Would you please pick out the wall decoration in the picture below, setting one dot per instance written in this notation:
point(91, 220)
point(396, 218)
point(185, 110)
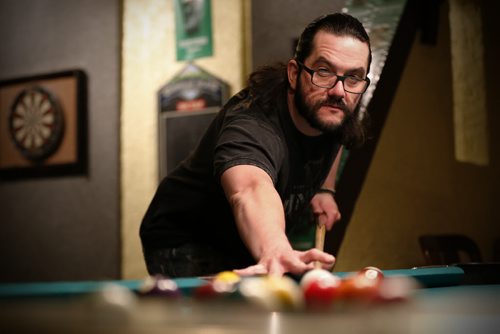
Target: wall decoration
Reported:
point(193, 89)
point(187, 105)
point(193, 29)
point(43, 125)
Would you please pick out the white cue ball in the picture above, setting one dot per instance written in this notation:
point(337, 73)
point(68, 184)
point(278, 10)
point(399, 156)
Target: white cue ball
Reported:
point(315, 275)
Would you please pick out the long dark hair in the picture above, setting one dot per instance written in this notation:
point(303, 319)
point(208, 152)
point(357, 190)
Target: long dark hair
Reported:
point(268, 83)
point(339, 24)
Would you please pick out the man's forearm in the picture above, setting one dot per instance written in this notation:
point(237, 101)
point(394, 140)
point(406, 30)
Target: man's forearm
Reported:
point(259, 216)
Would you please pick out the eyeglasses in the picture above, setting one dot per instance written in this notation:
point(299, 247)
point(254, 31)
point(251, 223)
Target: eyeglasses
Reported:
point(326, 79)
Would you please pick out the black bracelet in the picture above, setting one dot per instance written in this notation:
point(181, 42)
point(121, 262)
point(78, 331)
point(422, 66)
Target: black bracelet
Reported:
point(328, 191)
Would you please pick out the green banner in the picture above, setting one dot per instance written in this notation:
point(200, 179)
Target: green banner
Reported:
point(193, 29)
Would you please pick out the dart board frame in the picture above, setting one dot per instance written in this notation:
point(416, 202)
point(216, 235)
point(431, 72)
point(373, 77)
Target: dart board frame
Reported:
point(43, 125)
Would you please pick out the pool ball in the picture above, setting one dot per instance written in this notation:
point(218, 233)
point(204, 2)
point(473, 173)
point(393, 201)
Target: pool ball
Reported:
point(226, 282)
point(273, 293)
point(396, 289)
point(359, 288)
point(159, 285)
point(111, 304)
point(227, 277)
point(286, 291)
point(322, 292)
point(206, 291)
point(314, 275)
point(221, 285)
point(372, 274)
point(254, 290)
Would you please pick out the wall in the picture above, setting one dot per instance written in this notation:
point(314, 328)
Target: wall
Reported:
point(148, 63)
point(415, 185)
point(65, 228)
point(278, 23)
point(68, 228)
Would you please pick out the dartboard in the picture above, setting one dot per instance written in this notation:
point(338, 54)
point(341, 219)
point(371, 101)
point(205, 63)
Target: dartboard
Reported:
point(36, 123)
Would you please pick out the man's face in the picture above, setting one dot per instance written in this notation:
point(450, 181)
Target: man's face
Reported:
point(327, 109)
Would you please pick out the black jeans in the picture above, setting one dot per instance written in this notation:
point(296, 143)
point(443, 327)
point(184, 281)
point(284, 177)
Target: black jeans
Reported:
point(187, 260)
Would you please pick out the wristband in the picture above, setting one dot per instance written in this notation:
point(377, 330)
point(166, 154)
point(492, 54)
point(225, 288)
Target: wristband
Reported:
point(327, 191)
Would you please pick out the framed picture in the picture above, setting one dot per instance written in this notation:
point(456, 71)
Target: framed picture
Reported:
point(43, 125)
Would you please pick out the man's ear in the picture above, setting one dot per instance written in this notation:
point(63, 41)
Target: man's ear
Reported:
point(293, 72)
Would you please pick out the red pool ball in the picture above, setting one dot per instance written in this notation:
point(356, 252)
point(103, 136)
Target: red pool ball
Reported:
point(314, 275)
point(222, 285)
point(364, 285)
point(206, 291)
point(321, 293)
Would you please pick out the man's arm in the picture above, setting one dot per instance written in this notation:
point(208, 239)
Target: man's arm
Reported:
point(323, 204)
point(260, 219)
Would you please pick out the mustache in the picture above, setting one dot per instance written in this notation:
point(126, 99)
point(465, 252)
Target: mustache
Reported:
point(333, 102)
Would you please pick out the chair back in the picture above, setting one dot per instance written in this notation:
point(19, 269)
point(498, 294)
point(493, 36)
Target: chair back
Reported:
point(443, 249)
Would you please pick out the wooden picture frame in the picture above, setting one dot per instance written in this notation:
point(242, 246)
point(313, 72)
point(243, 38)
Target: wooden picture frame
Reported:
point(43, 125)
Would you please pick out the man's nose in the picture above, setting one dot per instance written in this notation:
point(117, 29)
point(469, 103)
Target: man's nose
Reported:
point(337, 89)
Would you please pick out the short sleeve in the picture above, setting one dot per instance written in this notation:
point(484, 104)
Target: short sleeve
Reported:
point(249, 141)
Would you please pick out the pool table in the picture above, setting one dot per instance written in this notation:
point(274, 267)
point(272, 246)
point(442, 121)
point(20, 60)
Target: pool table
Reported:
point(452, 299)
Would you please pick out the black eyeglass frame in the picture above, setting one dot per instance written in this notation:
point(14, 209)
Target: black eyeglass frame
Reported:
point(340, 78)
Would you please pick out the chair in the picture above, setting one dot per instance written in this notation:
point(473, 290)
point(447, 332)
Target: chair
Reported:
point(496, 250)
point(443, 249)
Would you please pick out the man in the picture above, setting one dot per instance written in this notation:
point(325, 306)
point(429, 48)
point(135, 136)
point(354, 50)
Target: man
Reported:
point(270, 155)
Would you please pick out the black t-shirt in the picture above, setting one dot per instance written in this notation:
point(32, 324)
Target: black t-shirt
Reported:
point(190, 205)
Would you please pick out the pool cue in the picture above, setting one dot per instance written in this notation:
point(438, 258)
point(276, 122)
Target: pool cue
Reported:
point(320, 240)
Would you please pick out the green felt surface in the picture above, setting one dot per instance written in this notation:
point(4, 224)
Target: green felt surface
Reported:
point(56, 289)
point(427, 276)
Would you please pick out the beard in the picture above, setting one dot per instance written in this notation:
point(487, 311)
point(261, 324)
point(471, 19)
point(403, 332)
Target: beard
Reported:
point(310, 113)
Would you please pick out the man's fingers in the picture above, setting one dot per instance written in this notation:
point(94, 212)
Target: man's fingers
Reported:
point(327, 266)
point(276, 269)
point(257, 269)
point(322, 219)
point(297, 263)
point(317, 255)
point(327, 220)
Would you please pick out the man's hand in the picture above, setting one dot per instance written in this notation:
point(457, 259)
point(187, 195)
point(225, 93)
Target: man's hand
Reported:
point(259, 216)
point(288, 261)
point(325, 208)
